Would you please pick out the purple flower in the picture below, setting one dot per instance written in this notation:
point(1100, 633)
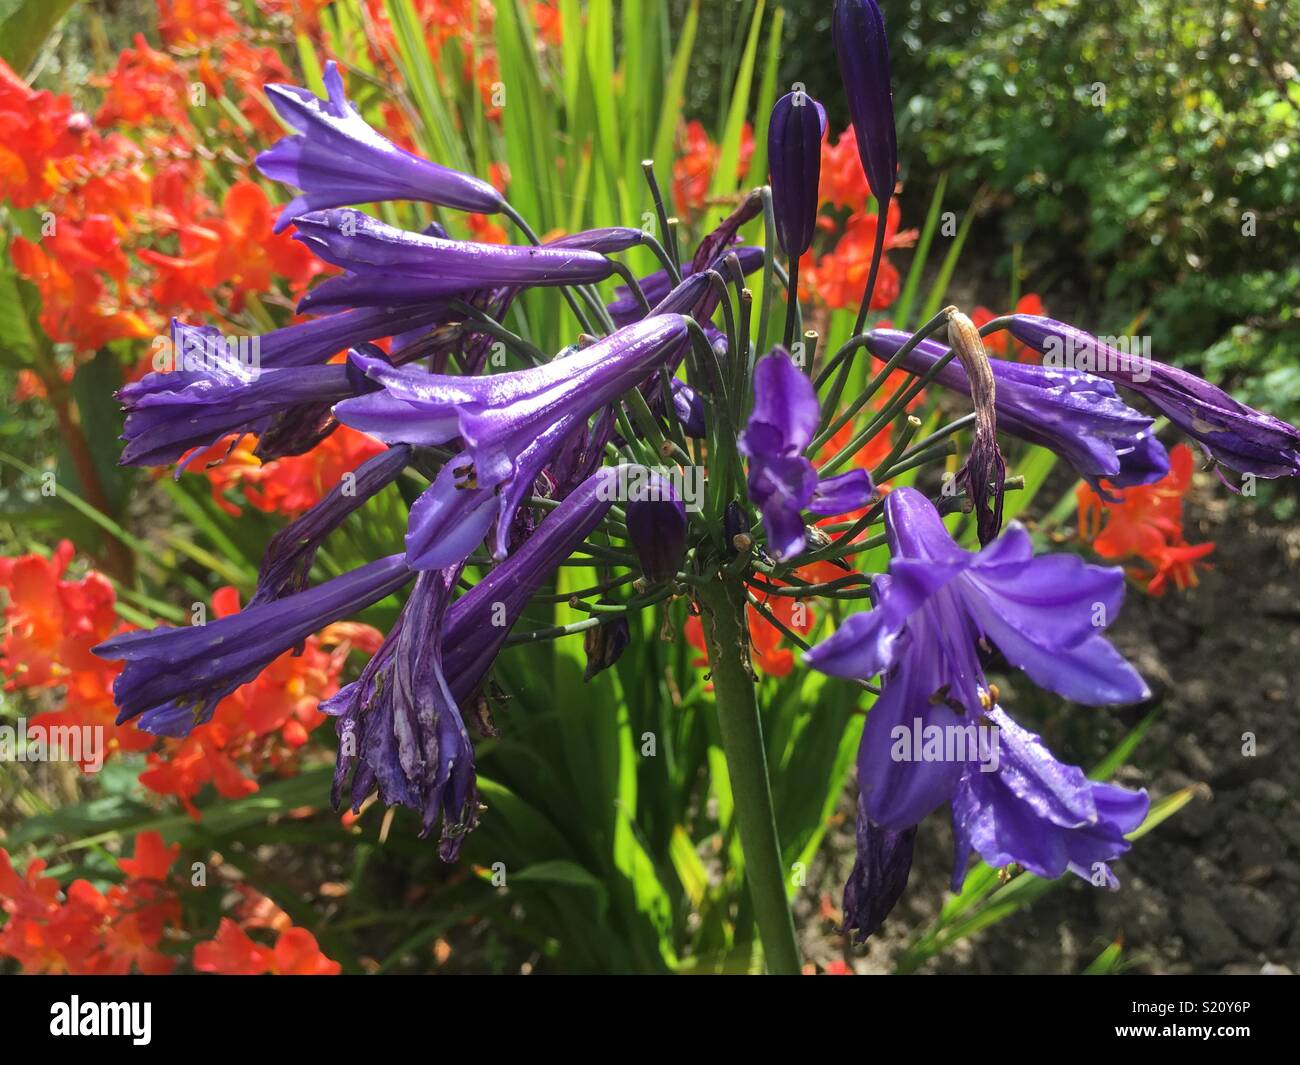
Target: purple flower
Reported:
point(168, 414)
point(1237, 436)
point(781, 480)
point(511, 425)
point(337, 159)
point(933, 611)
point(174, 677)
point(1039, 813)
point(879, 875)
point(1076, 415)
point(794, 137)
point(364, 245)
point(401, 723)
point(858, 31)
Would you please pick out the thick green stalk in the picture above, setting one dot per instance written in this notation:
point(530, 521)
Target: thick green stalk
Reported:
point(727, 638)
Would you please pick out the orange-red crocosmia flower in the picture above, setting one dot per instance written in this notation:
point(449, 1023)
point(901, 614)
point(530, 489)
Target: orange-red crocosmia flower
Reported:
point(233, 952)
point(1146, 524)
point(1003, 344)
point(289, 485)
point(89, 932)
point(146, 87)
point(50, 625)
point(839, 276)
point(770, 652)
point(696, 160)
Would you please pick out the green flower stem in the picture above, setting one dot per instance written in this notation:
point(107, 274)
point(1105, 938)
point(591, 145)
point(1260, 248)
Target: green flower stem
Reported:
point(727, 638)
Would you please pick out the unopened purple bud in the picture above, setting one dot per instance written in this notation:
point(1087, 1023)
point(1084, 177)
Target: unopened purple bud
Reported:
point(858, 30)
point(656, 525)
point(794, 138)
point(878, 878)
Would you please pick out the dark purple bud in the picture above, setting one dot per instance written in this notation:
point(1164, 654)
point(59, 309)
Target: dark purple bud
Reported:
point(794, 138)
point(689, 408)
point(858, 30)
point(604, 645)
point(878, 878)
point(656, 524)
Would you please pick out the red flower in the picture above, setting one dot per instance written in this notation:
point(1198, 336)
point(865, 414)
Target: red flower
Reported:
point(1147, 524)
point(839, 277)
point(89, 932)
point(296, 953)
point(1003, 344)
point(770, 654)
point(289, 485)
point(50, 625)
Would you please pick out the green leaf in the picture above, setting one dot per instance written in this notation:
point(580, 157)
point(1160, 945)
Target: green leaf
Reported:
point(24, 25)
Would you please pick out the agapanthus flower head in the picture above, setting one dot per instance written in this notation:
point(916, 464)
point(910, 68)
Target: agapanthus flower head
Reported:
point(175, 677)
point(1234, 434)
point(511, 425)
point(862, 47)
point(938, 603)
point(782, 481)
point(339, 160)
point(1076, 415)
point(794, 137)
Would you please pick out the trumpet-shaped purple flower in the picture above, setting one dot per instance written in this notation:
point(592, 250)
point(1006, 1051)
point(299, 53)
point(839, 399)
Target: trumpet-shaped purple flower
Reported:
point(401, 723)
point(781, 480)
point(364, 245)
point(862, 48)
point(1041, 814)
point(1237, 436)
point(511, 424)
point(168, 414)
point(1076, 415)
point(932, 612)
point(794, 137)
point(338, 159)
point(174, 677)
